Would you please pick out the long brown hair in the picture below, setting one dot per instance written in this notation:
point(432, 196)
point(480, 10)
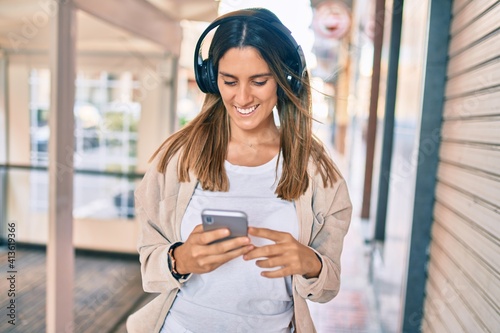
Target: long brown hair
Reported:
point(203, 142)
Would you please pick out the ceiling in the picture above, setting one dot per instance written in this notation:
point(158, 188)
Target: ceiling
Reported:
point(193, 10)
point(112, 25)
point(126, 27)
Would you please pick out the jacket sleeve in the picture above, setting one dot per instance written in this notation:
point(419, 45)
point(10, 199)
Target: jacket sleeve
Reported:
point(155, 202)
point(332, 209)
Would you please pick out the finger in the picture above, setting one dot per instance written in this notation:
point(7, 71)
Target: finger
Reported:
point(198, 229)
point(279, 273)
point(230, 244)
point(208, 237)
point(271, 263)
point(264, 251)
point(219, 259)
point(276, 236)
point(238, 252)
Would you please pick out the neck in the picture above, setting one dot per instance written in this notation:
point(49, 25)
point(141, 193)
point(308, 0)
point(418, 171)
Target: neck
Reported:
point(253, 140)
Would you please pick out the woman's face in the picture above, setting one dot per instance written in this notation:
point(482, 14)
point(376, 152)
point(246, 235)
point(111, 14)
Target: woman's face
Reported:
point(248, 89)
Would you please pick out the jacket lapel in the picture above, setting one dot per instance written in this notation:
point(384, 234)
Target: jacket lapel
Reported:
point(186, 190)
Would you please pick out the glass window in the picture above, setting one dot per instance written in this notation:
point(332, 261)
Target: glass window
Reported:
point(106, 120)
point(106, 133)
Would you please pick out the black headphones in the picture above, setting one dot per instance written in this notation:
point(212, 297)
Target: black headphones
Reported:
point(204, 70)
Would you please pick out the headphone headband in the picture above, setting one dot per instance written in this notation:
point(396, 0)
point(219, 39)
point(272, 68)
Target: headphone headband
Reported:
point(204, 69)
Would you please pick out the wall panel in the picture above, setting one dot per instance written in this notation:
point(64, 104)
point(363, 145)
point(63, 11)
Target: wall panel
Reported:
point(463, 287)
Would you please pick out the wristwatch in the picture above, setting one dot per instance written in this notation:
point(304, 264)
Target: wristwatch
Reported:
point(171, 262)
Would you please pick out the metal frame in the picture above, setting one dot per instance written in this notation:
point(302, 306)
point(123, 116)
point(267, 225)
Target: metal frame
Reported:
point(3, 142)
point(432, 111)
point(390, 108)
point(372, 116)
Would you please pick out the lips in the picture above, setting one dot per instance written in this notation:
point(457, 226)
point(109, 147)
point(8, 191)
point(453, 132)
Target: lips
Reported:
point(246, 111)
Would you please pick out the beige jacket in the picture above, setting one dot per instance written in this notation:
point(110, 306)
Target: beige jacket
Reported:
point(324, 216)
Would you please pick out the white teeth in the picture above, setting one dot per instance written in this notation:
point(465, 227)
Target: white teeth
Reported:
point(246, 111)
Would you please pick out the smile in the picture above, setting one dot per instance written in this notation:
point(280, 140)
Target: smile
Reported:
point(246, 111)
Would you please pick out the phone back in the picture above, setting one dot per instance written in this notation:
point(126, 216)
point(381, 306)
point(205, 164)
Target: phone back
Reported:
point(235, 221)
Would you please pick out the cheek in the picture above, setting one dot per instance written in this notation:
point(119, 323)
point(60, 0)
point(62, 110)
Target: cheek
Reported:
point(273, 97)
point(271, 94)
point(224, 93)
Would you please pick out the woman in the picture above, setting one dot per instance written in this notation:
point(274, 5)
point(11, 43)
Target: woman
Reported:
point(234, 156)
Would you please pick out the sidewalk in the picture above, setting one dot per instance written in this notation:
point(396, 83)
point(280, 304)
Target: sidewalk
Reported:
point(354, 309)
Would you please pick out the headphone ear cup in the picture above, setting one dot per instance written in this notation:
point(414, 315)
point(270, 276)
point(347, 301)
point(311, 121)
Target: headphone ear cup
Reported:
point(208, 77)
point(294, 84)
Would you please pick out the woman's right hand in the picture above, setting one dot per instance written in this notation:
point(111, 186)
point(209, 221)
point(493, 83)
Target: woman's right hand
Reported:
point(198, 256)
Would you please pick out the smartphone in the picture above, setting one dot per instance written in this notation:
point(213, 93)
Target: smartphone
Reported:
point(236, 221)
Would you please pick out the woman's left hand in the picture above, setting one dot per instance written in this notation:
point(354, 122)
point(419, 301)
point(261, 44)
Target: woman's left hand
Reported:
point(286, 253)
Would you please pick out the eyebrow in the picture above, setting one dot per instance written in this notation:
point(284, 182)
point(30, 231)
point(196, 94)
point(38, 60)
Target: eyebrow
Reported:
point(251, 77)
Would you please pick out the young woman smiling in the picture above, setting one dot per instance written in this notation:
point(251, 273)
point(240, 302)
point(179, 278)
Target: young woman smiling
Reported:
point(234, 156)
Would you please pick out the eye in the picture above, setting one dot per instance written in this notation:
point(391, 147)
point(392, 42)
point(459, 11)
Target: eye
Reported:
point(229, 83)
point(260, 83)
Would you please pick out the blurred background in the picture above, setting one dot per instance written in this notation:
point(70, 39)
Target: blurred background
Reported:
point(406, 98)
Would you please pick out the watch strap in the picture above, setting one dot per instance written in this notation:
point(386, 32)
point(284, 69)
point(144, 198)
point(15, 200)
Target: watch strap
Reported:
point(172, 262)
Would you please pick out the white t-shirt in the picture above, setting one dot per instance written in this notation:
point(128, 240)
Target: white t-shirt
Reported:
point(235, 297)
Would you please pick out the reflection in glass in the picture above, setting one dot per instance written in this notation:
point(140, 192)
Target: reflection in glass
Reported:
point(106, 120)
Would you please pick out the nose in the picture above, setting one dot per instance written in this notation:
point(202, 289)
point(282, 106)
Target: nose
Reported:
point(243, 95)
